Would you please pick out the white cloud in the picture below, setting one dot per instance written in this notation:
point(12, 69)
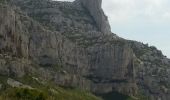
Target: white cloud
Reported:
point(121, 11)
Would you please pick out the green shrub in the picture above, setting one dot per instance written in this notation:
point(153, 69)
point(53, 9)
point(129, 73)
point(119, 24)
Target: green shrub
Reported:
point(24, 94)
point(57, 93)
point(29, 94)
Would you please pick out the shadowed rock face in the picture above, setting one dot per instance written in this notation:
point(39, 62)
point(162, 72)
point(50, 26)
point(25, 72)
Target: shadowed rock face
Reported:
point(96, 11)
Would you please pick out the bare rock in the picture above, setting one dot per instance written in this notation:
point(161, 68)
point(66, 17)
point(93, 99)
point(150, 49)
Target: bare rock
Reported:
point(95, 9)
point(63, 42)
point(17, 84)
point(90, 59)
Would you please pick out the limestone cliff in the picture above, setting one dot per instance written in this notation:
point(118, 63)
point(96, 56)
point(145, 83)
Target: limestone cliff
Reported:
point(153, 71)
point(96, 11)
point(70, 56)
point(70, 44)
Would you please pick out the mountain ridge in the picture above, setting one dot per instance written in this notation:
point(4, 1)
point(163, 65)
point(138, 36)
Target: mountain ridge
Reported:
point(63, 40)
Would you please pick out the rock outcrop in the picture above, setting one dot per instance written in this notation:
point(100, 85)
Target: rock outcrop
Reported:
point(73, 46)
point(15, 84)
point(153, 71)
point(94, 7)
point(80, 57)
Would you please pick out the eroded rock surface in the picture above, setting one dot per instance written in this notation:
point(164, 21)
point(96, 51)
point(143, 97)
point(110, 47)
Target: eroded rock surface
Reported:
point(65, 43)
point(153, 71)
point(15, 84)
point(75, 57)
point(96, 11)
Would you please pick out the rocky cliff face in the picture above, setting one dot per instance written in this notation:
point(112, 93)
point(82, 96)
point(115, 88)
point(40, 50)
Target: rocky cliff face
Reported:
point(95, 9)
point(153, 75)
point(72, 53)
point(70, 44)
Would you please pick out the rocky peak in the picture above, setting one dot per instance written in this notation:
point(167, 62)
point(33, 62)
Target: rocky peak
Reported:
point(95, 9)
point(63, 42)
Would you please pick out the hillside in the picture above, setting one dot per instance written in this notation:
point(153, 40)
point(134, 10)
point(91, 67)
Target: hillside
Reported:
point(65, 50)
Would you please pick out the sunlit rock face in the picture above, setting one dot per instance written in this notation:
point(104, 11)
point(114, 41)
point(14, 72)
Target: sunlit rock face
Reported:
point(58, 34)
point(96, 11)
point(69, 43)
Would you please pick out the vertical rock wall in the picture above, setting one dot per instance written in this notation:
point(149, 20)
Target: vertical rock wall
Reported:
point(96, 62)
point(95, 9)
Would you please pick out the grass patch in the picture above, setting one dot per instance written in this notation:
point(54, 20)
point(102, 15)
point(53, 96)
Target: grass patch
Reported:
point(56, 93)
point(46, 91)
point(23, 94)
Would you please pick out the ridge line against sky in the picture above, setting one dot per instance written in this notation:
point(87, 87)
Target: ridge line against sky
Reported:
point(147, 21)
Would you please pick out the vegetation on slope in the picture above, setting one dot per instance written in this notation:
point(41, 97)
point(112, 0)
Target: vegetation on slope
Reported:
point(40, 91)
point(49, 91)
point(51, 94)
point(58, 94)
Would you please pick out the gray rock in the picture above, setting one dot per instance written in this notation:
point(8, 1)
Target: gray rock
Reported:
point(17, 84)
point(153, 73)
point(95, 9)
point(60, 41)
point(14, 83)
point(94, 59)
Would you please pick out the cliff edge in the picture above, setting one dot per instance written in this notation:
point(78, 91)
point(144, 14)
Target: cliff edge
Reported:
point(69, 44)
point(95, 9)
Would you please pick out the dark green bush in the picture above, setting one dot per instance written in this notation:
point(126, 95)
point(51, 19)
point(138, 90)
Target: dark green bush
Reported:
point(27, 94)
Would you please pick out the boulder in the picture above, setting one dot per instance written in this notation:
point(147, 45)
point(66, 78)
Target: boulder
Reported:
point(14, 83)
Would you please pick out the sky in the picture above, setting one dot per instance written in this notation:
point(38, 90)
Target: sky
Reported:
point(147, 21)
